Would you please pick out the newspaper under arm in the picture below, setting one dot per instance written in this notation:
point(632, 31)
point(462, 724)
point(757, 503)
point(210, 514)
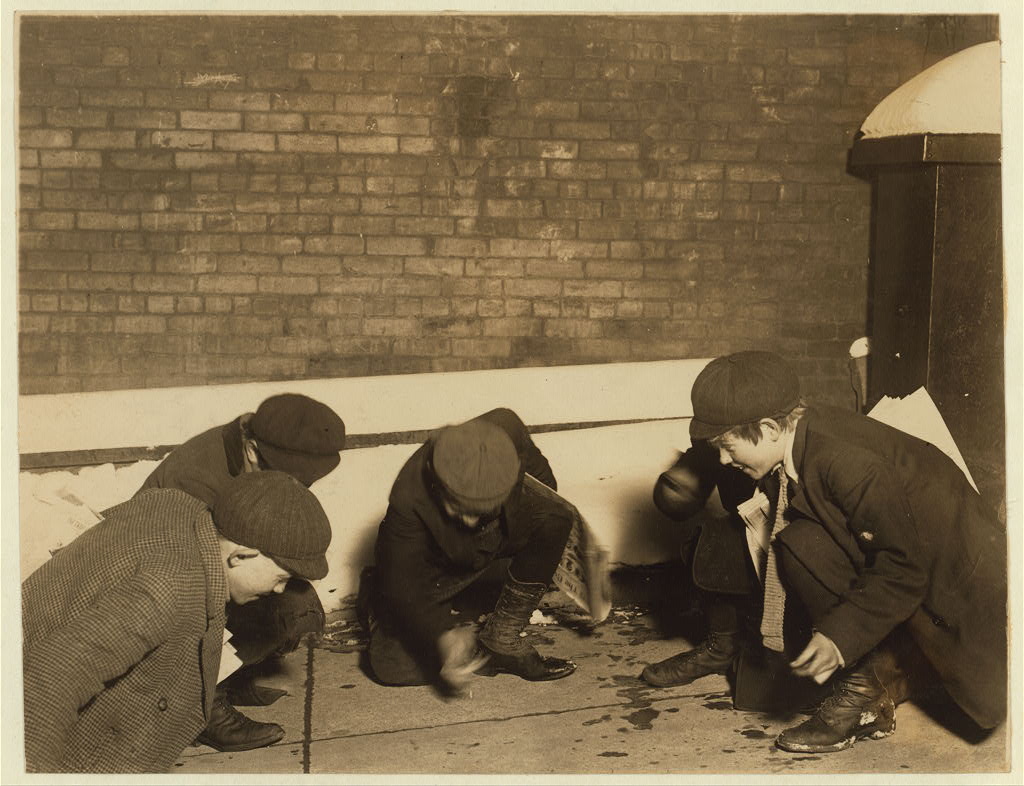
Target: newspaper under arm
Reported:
point(755, 513)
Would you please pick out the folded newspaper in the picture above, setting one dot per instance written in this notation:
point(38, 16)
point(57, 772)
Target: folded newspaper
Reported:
point(755, 514)
point(582, 573)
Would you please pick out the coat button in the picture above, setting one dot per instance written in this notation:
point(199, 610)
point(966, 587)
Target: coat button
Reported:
point(162, 704)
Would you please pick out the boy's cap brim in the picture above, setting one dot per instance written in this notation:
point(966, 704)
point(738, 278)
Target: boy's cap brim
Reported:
point(311, 568)
point(701, 430)
point(305, 467)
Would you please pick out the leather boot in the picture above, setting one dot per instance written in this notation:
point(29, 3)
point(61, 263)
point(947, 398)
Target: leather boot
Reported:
point(242, 690)
point(508, 652)
point(229, 730)
point(859, 707)
point(712, 656)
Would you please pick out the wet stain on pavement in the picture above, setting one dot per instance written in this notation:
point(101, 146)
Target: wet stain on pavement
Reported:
point(594, 721)
point(634, 690)
point(642, 719)
point(718, 705)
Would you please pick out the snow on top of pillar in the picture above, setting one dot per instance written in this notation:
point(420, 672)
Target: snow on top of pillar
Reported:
point(958, 95)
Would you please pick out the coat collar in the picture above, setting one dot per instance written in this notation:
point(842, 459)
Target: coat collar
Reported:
point(209, 549)
point(798, 499)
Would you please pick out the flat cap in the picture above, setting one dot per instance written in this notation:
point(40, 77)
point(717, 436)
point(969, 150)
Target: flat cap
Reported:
point(741, 388)
point(274, 513)
point(476, 464)
point(298, 435)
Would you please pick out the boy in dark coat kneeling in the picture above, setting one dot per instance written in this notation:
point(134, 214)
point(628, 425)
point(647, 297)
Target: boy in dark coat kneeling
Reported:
point(457, 505)
point(878, 538)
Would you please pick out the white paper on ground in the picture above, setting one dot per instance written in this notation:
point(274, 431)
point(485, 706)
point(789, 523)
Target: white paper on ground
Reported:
point(229, 660)
point(918, 416)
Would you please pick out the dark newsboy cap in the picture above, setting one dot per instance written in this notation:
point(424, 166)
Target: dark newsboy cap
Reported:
point(298, 435)
point(275, 514)
point(476, 464)
point(741, 388)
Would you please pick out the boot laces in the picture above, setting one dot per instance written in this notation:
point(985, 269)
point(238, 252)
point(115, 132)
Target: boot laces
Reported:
point(848, 698)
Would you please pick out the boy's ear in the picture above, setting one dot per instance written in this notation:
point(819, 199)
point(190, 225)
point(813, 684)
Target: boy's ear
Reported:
point(770, 429)
point(252, 456)
point(240, 554)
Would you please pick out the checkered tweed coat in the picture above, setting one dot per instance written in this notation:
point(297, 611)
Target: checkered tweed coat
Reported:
point(122, 633)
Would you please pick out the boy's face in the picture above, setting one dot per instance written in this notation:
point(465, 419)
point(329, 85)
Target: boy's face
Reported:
point(252, 575)
point(755, 460)
point(468, 519)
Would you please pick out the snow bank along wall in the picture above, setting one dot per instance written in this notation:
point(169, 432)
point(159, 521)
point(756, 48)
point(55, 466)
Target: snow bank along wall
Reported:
point(636, 417)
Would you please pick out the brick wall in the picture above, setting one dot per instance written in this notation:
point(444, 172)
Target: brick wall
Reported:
point(224, 199)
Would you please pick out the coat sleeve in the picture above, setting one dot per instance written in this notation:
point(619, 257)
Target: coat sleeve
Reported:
point(69, 666)
point(894, 579)
point(407, 579)
point(533, 461)
point(683, 489)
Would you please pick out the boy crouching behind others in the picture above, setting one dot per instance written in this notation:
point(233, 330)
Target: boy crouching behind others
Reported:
point(123, 628)
point(289, 433)
point(877, 537)
point(456, 506)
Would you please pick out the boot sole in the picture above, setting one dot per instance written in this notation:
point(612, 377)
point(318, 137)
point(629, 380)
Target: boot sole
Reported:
point(873, 734)
point(493, 671)
point(249, 746)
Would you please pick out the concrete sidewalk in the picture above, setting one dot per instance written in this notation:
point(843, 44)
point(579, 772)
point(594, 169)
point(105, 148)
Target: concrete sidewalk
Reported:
point(602, 719)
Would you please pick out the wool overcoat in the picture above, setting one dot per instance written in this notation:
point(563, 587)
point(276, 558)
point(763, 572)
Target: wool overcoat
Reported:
point(421, 554)
point(926, 549)
point(203, 465)
point(122, 632)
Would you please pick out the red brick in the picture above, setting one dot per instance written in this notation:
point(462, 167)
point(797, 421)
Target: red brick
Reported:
point(375, 144)
point(432, 266)
point(171, 222)
point(307, 143)
point(481, 347)
point(391, 206)
point(67, 159)
point(44, 138)
point(162, 283)
point(116, 140)
point(248, 224)
point(330, 204)
point(288, 285)
point(214, 121)
point(532, 287)
point(205, 160)
point(425, 225)
point(47, 220)
point(117, 222)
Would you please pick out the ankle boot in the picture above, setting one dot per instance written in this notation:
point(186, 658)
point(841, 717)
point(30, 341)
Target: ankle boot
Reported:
point(230, 730)
point(508, 652)
point(859, 707)
point(712, 656)
point(242, 690)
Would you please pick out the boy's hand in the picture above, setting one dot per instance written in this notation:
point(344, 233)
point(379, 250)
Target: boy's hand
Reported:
point(457, 648)
point(819, 660)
